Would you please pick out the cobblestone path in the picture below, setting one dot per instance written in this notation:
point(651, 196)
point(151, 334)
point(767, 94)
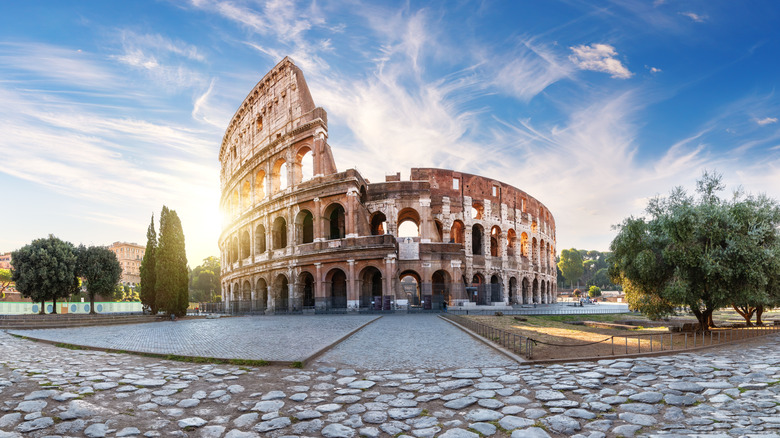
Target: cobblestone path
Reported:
point(410, 342)
point(273, 338)
point(47, 391)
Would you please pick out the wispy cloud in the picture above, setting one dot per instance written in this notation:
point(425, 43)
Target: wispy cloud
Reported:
point(599, 57)
point(766, 121)
point(694, 16)
point(529, 70)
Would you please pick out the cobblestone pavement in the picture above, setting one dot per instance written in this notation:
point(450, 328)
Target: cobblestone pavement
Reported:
point(273, 338)
point(409, 342)
point(47, 391)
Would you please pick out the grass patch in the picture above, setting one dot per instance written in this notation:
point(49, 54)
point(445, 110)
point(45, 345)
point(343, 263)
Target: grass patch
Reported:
point(68, 346)
point(297, 364)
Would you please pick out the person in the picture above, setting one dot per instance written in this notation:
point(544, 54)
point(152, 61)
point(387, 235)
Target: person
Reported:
point(173, 317)
point(197, 310)
point(444, 306)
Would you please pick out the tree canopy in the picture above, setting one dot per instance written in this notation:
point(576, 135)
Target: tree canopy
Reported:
point(171, 282)
point(44, 270)
point(5, 281)
point(701, 251)
point(571, 265)
point(100, 268)
point(204, 280)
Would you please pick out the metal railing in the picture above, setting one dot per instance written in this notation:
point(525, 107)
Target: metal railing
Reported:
point(591, 310)
point(517, 343)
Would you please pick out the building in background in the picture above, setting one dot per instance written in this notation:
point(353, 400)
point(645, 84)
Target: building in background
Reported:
point(5, 261)
point(130, 256)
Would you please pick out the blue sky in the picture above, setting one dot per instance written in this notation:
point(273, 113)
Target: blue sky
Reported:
point(112, 109)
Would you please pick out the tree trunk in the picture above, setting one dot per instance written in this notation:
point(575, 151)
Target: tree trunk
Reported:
point(704, 317)
point(746, 312)
point(759, 311)
point(54, 306)
point(710, 322)
point(43, 308)
point(92, 304)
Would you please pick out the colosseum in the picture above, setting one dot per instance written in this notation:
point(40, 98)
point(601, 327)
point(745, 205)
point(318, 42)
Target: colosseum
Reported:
point(299, 235)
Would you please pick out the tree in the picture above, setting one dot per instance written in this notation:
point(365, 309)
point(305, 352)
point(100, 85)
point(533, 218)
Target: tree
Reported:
point(171, 267)
point(44, 270)
point(704, 253)
point(204, 280)
point(5, 281)
point(571, 265)
point(594, 291)
point(148, 286)
point(100, 267)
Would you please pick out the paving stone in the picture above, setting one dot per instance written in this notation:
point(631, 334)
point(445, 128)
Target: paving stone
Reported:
point(336, 430)
point(484, 429)
point(511, 422)
point(531, 432)
point(276, 423)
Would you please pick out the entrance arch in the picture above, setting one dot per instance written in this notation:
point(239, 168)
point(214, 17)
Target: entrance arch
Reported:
point(410, 287)
point(281, 293)
point(496, 291)
point(536, 291)
point(527, 292)
point(261, 295)
point(370, 288)
point(337, 281)
point(440, 286)
point(512, 290)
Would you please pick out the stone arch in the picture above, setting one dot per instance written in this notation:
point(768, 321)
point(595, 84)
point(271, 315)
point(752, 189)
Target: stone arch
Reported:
point(439, 230)
point(246, 244)
point(281, 293)
point(336, 280)
point(279, 175)
point(542, 292)
point(495, 240)
point(511, 239)
point(440, 285)
point(496, 289)
point(411, 287)
point(306, 292)
point(304, 164)
point(378, 224)
point(370, 287)
point(526, 291)
point(476, 239)
point(335, 221)
point(478, 282)
point(304, 227)
point(279, 233)
point(534, 252)
point(408, 223)
point(261, 294)
point(246, 291)
point(535, 286)
point(512, 295)
point(477, 210)
point(259, 185)
point(457, 232)
point(260, 246)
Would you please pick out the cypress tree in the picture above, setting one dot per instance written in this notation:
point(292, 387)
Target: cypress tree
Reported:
point(148, 293)
point(172, 279)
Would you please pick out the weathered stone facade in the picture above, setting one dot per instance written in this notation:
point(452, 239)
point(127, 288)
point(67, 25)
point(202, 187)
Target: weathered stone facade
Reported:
point(299, 234)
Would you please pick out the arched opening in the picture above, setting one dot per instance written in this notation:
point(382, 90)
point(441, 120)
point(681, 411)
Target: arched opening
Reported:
point(261, 295)
point(246, 244)
point(234, 249)
point(524, 244)
point(306, 290)
point(526, 285)
point(279, 233)
point(259, 186)
point(246, 291)
point(260, 239)
point(279, 175)
point(335, 221)
point(281, 293)
point(304, 227)
point(543, 292)
point(477, 210)
point(536, 291)
point(439, 231)
point(408, 223)
point(246, 195)
point(511, 239)
point(495, 237)
point(476, 239)
point(496, 289)
point(480, 295)
point(410, 287)
point(305, 161)
point(378, 224)
point(512, 290)
point(534, 251)
point(542, 258)
point(457, 233)
point(440, 286)
point(337, 280)
point(371, 288)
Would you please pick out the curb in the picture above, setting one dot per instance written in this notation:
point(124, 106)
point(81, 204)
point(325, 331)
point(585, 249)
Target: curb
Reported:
point(323, 350)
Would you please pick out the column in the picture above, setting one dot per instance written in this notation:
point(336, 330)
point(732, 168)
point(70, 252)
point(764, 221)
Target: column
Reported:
point(353, 296)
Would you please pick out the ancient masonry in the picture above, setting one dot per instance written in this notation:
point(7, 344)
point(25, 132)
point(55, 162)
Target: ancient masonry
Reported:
point(301, 235)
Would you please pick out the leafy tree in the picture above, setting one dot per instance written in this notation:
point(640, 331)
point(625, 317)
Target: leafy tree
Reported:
point(171, 268)
point(148, 286)
point(577, 293)
point(5, 281)
point(703, 252)
point(594, 291)
point(571, 265)
point(100, 267)
point(204, 280)
point(44, 270)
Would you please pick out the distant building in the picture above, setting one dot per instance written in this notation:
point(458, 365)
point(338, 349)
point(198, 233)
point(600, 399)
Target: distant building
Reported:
point(5, 261)
point(130, 256)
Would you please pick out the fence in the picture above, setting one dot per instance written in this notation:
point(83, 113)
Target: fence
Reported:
point(619, 344)
point(545, 310)
point(517, 343)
